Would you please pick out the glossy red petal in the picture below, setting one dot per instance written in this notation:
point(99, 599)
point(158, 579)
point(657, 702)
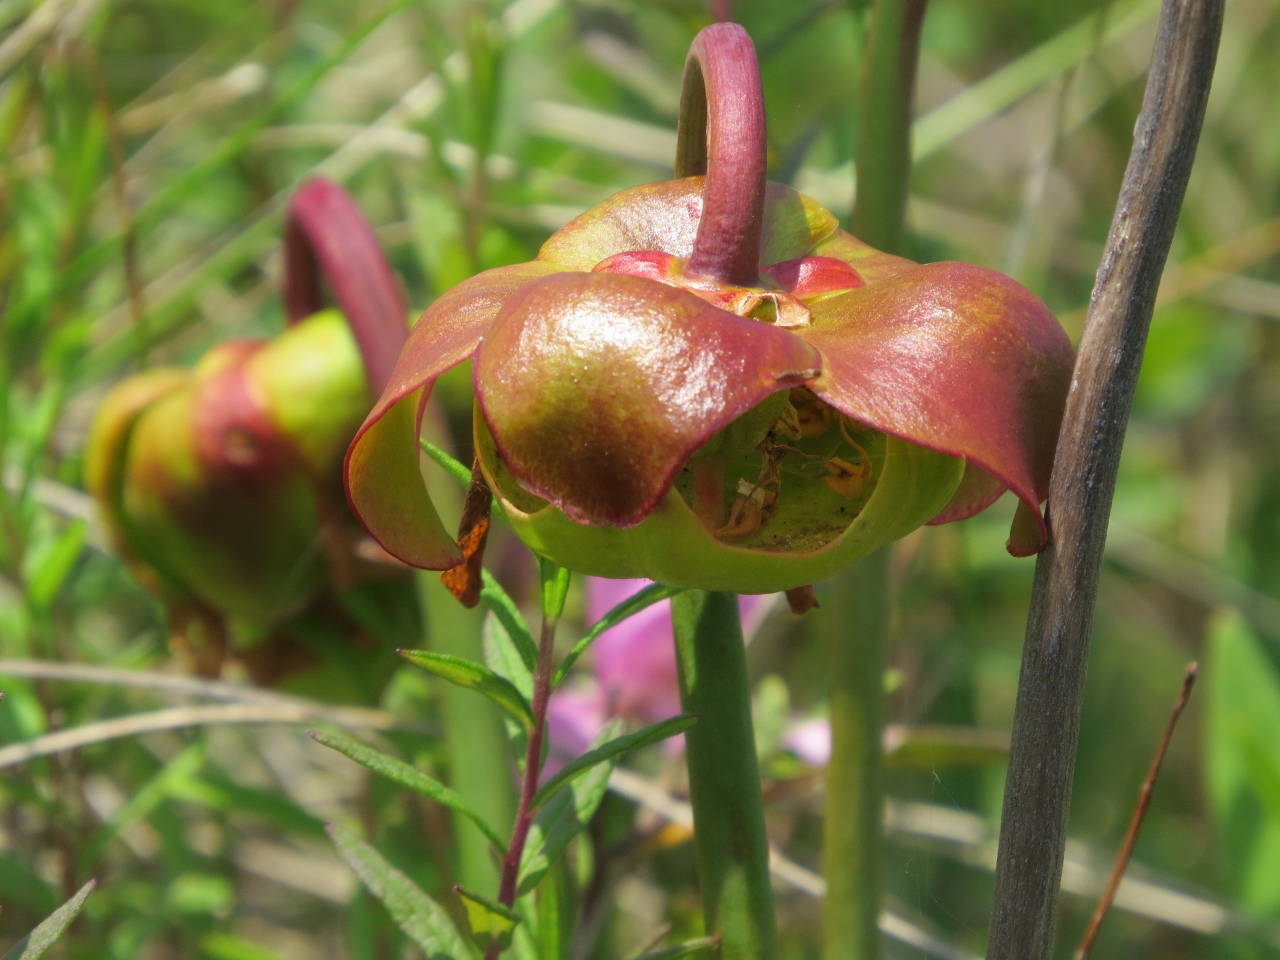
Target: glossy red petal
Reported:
point(598, 388)
point(871, 264)
point(664, 217)
point(384, 486)
point(956, 358)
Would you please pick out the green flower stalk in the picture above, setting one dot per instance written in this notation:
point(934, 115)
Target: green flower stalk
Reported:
point(705, 382)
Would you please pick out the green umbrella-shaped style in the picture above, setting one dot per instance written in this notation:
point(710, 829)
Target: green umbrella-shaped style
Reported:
point(707, 382)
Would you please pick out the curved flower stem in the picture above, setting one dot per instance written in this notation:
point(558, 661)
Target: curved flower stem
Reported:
point(325, 234)
point(858, 621)
point(724, 781)
point(856, 626)
point(722, 134)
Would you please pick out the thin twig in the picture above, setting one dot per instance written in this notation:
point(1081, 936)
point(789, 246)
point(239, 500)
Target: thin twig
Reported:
point(176, 718)
point(1050, 689)
point(1139, 814)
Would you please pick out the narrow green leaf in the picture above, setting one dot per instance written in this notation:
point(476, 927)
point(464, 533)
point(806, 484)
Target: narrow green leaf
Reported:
point(690, 948)
point(473, 676)
point(613, 749)
point(555, 587)
point(647, 597)
point(454, 468)
point(54, 563)
point(408, 776)
point(505, 609)
point(502, 657)
point(491, 923)
point(40, 940)
point(565, 816)
point(222, 946)
point(1006, 86)
point(422, 919)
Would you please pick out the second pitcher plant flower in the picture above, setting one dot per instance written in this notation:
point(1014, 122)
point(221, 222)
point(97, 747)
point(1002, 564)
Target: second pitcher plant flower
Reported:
point(706, 382)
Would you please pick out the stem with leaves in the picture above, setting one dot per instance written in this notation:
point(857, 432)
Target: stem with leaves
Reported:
point(857, 625)
point(1046, 721)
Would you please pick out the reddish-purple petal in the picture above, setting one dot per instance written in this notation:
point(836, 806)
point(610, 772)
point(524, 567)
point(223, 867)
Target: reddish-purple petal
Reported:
point(664, 217)
point(958, 359)
point(598, 388)
point(384, 486)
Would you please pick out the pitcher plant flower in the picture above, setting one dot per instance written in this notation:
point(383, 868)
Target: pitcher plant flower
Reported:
point(219, 484)
point(707, 382)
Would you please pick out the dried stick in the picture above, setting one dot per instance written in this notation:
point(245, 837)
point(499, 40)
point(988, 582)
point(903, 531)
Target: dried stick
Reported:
point(1047, 717)
point(1139, 815)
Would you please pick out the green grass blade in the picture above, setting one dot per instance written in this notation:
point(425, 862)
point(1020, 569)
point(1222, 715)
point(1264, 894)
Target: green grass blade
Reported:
point(40, 940)
point(473, 676)
point(612, 750)
point(186, 185)
point(408, 776)
point(627, 608)
point(1006, 86)
point(422, 919)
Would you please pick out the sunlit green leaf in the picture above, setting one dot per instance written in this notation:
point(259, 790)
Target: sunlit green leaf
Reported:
point(565, 816)
point(408, 776)
point(422, 919)
point(654, 593)
point(472, 676)
point(613, 749)
point(491, 923)
point(41, 940)
point(505, 609)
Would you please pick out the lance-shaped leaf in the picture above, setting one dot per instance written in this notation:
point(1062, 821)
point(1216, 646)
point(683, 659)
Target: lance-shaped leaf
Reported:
point(564, 817)
point(407, 776)
point(956, 358)
point(598, 388)
point(41, 940)
point(654, 593)
point(508, 614)
point(611, 750)
point(465, 673)
point(492, 924)
point(422, 919)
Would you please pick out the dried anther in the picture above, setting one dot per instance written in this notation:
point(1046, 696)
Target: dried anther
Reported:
point(813, 415)
point(754, 505)
point(845, 478)
point(464, 580)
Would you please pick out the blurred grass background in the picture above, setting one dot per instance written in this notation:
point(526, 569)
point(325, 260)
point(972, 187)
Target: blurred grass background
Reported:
point(146, 150)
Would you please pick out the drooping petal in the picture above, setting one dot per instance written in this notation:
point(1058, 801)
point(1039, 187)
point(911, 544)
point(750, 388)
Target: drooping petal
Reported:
point(384, 485)
point(598, 388)
point(664, 217)
point(956, 358)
